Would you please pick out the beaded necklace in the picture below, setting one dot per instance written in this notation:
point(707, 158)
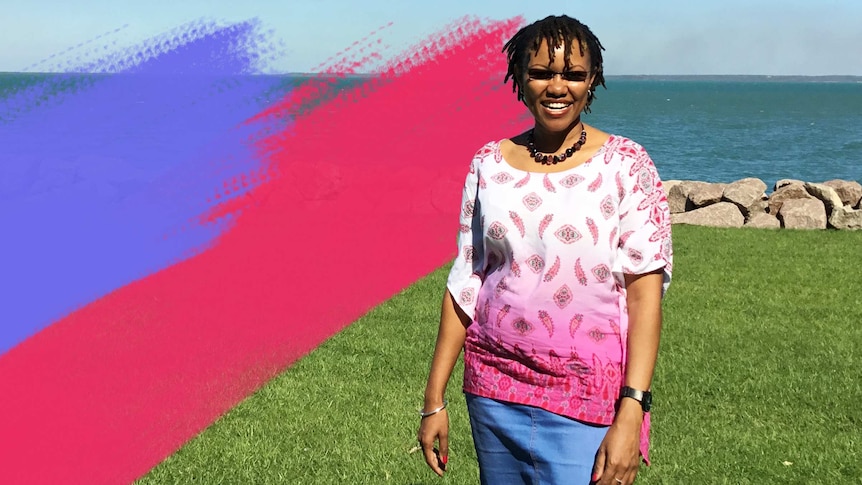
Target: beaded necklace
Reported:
point(546, 159)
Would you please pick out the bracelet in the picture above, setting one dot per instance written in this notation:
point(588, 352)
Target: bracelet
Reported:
point(434, 411)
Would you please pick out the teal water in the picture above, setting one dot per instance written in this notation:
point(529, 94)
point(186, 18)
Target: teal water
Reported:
point(706, 129)
point(720, 131)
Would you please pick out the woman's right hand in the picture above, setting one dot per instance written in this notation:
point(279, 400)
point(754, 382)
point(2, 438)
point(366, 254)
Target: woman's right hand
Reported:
point(432, 429)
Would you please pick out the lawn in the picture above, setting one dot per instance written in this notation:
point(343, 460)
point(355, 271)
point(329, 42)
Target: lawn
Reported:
point(759, 380)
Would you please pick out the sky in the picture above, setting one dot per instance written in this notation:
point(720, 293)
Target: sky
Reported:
point(768, 37)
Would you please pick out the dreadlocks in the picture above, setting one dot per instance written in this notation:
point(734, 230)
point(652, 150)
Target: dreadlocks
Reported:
point(554, 31)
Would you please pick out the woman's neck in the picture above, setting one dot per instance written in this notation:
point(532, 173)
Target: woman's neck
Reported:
point(553, 141)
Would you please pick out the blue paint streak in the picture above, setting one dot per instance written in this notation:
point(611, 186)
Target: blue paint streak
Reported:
point(103, 183)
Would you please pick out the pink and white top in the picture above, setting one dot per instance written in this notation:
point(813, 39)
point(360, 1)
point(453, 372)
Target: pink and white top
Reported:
point(540, 267)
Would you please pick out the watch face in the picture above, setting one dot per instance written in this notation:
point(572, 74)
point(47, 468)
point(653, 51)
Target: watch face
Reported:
point(647, 401)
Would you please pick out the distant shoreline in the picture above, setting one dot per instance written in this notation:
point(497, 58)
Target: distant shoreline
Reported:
point(618, 77)
point(739, 78)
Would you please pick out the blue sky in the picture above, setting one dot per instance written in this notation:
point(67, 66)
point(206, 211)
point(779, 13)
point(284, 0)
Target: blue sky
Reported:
point(641, 37)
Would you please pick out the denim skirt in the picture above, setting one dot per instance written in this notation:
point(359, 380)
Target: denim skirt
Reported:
point(519, 444)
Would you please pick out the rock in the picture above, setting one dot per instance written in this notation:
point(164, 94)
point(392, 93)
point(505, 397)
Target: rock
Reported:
point(677, 195)
point(788, 192)
point(850, 191)
point(706, 194)
point(826, 194)
point(669, 184)
point(722, 214)
point(802, 214)
point(761, 206)
point(785, 182)
point(762, 220)
point(846, 218)
point(794, 204)
point(744, 193)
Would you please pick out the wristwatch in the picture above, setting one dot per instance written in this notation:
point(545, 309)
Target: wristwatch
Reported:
point(643, 397)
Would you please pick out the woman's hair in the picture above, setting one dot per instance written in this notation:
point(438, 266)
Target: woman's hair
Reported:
point(555, 31)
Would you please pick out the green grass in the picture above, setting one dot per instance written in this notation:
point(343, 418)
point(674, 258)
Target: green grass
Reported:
point(758, 380)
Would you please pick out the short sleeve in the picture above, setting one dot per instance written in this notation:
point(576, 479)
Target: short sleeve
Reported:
point(645, 228)
point(466, 275)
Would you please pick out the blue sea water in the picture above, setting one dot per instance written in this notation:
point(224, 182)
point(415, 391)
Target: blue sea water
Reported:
point(721, 131)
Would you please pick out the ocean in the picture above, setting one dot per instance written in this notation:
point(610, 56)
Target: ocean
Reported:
point(723, 130)
point(718, 129)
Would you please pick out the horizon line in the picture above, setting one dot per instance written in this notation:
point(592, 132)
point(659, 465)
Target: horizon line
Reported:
point(371, 74)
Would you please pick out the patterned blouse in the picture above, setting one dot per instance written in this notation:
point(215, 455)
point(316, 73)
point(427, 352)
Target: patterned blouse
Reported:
point(540, 267)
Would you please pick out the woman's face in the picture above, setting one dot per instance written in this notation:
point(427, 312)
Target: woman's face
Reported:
point(555, 100)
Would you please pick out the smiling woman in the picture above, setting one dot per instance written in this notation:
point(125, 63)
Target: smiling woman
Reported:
point(555, 68)
point(555, 296)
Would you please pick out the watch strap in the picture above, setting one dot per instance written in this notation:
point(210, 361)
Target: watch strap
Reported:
point(643, 397)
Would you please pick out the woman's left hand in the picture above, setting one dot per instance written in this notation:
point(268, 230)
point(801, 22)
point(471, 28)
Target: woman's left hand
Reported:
point(618, 458)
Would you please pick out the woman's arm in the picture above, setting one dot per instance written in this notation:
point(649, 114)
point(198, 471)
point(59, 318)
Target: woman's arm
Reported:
point(450, 342)
point(618, 458)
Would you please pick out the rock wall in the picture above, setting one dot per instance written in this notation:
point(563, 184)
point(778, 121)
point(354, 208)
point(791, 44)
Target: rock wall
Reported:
point(793, 204)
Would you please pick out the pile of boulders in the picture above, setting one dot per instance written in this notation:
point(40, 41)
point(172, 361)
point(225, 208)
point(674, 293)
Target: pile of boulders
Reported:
point(793, 204)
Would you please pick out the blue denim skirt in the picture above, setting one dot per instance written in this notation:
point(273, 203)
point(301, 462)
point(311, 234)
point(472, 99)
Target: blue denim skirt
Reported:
point(518, 444)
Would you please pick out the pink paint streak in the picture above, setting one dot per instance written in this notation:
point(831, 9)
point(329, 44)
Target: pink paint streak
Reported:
point(364, 201)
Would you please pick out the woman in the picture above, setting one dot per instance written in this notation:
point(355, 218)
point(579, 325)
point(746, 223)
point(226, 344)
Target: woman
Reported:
point(555, 295)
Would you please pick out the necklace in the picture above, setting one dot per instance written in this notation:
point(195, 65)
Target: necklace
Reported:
point(546, 159)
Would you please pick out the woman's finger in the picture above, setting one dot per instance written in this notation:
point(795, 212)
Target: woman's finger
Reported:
point(431, 459)
point(599, 465)
point(444, 450)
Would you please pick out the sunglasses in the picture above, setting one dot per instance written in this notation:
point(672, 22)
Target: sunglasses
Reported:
point(547, 75)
